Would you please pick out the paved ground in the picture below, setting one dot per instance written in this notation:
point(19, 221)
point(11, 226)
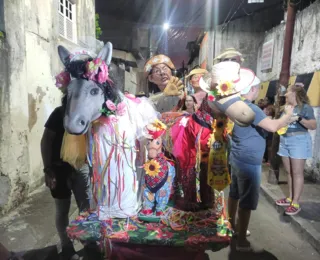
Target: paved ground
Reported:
point(32, 227)
point(277, 239)
point(307, 222)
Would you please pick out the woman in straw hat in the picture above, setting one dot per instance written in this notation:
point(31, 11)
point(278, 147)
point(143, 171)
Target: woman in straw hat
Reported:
point(194, 76)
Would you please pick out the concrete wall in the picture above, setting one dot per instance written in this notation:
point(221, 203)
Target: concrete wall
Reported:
point(28, 93)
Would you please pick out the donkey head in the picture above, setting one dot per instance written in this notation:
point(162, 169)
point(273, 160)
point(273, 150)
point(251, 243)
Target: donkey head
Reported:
point(88, 89)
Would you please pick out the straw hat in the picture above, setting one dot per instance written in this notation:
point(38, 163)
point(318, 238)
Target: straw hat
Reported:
point(159, 59)
point(196, 71)
point(228, 78)
point(227, 54)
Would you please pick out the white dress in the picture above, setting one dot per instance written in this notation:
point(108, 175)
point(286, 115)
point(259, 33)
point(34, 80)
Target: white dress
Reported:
point(117, 154)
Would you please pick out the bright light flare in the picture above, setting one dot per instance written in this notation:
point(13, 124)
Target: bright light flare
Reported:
point(166, 26)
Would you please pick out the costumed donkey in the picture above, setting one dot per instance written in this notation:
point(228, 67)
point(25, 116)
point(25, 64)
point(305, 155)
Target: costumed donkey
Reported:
point(114, 124)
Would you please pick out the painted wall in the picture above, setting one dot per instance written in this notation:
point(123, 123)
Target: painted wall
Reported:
point(28, 93)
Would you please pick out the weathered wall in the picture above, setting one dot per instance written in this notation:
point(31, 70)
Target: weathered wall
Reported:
point(245, 34)
point(28, 94)
point(305, 59)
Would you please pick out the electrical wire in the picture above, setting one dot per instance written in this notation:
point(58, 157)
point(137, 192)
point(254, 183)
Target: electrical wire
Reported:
point(233, 15)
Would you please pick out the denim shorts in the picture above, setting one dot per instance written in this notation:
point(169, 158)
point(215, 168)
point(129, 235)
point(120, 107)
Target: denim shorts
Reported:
point(296, 146)
point(245, 184)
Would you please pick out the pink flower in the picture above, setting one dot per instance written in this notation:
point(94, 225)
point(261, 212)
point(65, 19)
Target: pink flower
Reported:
point(211, 98)
point(103, 74)
point(63, 79)
point(110, 105)
point(113, 119)
point(92, 68)
point(121, 109)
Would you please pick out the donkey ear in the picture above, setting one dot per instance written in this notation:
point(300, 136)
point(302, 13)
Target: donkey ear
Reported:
point(106, 53)
point(64, 54)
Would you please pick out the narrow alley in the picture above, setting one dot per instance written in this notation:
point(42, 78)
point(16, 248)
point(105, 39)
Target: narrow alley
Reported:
point(159, 130)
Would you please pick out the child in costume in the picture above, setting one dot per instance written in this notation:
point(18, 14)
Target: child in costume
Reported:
point(159, 172)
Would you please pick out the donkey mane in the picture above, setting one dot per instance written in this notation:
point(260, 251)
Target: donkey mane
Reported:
point(110, 90)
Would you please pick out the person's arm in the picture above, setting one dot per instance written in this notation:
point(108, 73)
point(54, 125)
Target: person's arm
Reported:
point(273, 125)
point(307, 119)
point(46, 147)
point(308, 123)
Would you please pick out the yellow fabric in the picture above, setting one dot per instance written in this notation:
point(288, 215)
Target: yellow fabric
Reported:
point(218, 172)
point(314, 90)
point(74, 150)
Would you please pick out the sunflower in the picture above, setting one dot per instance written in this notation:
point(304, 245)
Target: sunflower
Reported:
point(159, 125)
point(152, 168)
point(225, 88)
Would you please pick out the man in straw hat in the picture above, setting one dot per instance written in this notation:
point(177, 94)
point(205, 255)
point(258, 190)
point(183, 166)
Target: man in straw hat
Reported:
point(169, 89)
point(248, 146)
point(194, 77)
point(229, 54)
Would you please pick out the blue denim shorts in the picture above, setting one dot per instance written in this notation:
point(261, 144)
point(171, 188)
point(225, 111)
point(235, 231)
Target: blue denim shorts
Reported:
point(296, 146)
point(245, 184)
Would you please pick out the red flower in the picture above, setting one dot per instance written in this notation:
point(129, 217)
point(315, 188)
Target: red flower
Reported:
point(164, 234)
point(211, 98)
point(151, 227)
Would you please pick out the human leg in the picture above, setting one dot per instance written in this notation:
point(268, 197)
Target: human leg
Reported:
point(62, 219)
point(233, 199)
point(80, 187)
point(297, 182)
point(248, 179)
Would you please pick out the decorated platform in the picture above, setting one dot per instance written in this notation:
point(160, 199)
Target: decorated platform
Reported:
point(176, 230)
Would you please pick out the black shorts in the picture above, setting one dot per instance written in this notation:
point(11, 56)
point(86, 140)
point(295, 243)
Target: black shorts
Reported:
point(63, 181)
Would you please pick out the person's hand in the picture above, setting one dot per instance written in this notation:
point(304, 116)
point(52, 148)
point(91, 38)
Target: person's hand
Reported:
point(173, 87)
point(288, 110)
point(293, 119)
point(50, 178)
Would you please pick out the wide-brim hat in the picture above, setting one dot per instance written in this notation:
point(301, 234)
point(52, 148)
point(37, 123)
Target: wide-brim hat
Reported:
point(228, 53)
point(229, 75)
point(196, 71)
point(158, 59)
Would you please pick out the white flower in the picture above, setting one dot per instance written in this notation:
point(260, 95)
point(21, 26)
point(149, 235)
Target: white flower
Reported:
point(155, 60)
point(166, 59)
point(148, 68)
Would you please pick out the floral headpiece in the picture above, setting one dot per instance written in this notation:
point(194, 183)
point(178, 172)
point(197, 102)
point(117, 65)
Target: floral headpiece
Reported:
point(96, 70)
point(155, 129)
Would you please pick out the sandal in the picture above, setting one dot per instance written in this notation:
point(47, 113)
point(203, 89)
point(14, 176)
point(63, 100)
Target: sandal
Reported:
point(293, 209)
point(285, 202)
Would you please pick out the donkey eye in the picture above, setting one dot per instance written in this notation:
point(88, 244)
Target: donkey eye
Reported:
point(94, 91)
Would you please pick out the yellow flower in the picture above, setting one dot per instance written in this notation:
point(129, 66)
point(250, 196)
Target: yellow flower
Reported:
point(159, 125)
point(225, 88)
point(152, 168)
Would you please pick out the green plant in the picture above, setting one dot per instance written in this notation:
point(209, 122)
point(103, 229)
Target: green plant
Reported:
point(1, 35)
point(98, 28)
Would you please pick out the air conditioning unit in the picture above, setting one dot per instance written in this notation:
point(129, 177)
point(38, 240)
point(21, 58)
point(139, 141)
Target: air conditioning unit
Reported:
point(255, 1)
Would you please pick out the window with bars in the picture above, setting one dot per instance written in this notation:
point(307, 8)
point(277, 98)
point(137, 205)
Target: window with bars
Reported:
point(67, 19)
